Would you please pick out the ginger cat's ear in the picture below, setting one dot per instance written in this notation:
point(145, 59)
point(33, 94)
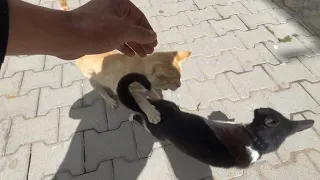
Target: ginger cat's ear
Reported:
point(181, 55)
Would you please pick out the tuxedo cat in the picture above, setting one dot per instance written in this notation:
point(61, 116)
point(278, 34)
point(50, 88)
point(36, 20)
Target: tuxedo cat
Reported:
point(215, 143)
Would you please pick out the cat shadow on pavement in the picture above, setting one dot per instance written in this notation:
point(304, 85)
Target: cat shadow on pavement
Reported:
point(107, 146)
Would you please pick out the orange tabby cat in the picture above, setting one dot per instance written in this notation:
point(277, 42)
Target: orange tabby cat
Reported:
point(63, 5)
point(163, 69)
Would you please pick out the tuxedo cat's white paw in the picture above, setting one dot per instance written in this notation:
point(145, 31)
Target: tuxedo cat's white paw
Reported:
point(153, 115)
point(111, 103)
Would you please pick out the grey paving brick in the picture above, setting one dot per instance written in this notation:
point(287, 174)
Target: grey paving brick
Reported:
point(141, 3)
point(196, 31)
point(233, 9)
point(202, 15)
point(155, 24)
point(177, 20)
point(120, 144)
point(312, 89)
point(83, 2)
point(250, 38)
point(171, 36)
point(163, 47)
point(314, 156)
point(72, 4)
point(117, 116)
point(15, 166)
point(258, 5)
point(71, 73)
point(157, 2)
point(47, 4)
point(22, 63)
point(281, 15)
point(223, 26)
point(287, 73)
point(53, 98)
point(10, 86)
point(254, 56)
point(80, 119)
point(24, 131)
point(35, 2)
point(4, 66)
point(191, 69)
point(213, 66)
point(286, 50)
point(33, 80)
point(251, 81)
point(169, 8)
point(61, 157)
point(299, 168)
point(89, 94)
point(51, 61)
point(204, 3)
point(316, 118)
point(312, 63)
point(312, 42)
point(198, 47)
point(23, 105)
point(220, 88)
point(292, 100)
point(251, 173)
point(5, 125)
point(253, 20)
point(288, 29)
point(300, 141)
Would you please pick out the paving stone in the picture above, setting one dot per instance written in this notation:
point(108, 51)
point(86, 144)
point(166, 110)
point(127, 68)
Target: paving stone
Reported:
point(47, 4)
point(220, 88)
point(155, 24)
point(89, 94)
point(312, 89)
point(23, 105)
point(254, 20)
point(288, 29)
point(72, 4)
point(157, 2)
point(172, 21)
point(169, 8)
point(251, 173)
point(250, 38)
point(299, 141)
point(71, 73)
point(35, 2)
point(22, 63)
point(258, 5)
point(233, 9)
point(105, 172)
point(141, 3)
point(286, 50)
point(314, 156)
point(312, 42)
point(163, 47)
point(5, 125)
point(202, 15)
point(219, 64)
point(171, 36)
point(117, 116)
point(254, 56)
point(198, 47)
point(191, 69)
point(312, 63)
point(300, 168)
point(120, 144)
point(53, 98)
point(10, 86)
point(51, 61)
point(61, 157)
point(292, 100)
point(83, 2)
point(196, 31)
point(281, 15)
point(42, 128)
point(80, 119)
point(287, 73)
point(4, 66)
point(15, 166)
point(33, 80)
point(255, 80)
point(204, 3)
point(316, 118)
point(223, 26)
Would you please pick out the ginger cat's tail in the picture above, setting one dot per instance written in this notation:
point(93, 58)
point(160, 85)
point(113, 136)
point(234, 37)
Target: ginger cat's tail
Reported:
point(63, 5)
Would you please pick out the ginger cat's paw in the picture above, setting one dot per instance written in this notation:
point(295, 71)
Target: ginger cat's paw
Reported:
point(111, 103)
point(153, 115)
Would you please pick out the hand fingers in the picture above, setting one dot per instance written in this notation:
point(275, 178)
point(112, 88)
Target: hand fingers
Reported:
point(139, 35)
point(138, 49)
point(125, 49)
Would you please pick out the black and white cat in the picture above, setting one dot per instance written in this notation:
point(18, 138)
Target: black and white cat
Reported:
point(214, 143)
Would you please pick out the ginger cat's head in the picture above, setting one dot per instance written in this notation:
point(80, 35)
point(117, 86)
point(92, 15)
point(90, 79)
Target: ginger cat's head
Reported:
point(166, 69)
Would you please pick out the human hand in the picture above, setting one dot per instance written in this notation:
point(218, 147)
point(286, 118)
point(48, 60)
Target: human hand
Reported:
point(104, 25)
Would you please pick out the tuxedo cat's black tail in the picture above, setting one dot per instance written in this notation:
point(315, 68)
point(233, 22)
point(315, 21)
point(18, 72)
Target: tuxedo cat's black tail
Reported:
point(123, 89)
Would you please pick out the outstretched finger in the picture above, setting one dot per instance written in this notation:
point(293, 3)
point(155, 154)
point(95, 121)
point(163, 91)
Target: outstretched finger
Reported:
point(125, 49)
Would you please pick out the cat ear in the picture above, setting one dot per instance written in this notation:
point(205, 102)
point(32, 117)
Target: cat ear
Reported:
point(181, 55)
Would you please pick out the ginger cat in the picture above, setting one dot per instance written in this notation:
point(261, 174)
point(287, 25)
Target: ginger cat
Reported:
point(163, 70)
point(63, 5)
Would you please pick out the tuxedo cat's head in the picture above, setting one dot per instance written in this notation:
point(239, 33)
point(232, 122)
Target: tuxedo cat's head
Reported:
point(271, 128)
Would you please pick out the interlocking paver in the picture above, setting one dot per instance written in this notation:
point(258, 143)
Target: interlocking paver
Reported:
point(191, 69)
point(286, 73)
point(253, 20)
point(177, 20)
point(63, 156)
point(171, 36)
point(198, 47)
point(196, 31)
point(80, 119)
point(312, 63)
point(71, 73)
point(120, 144)
point(117, 116)
point(5, 125)
point(312, 89)
point(23, 105)
point(202, 15)
point(51, 61)
point(312, 42)
point(53, 98)
point(314, 156)
point(233, 9)
point(316, 118)
point(15, 166)
point(33, 80)
point(141, 3)
point(223, 26)
point(281, 15)
point(72, 4)
point(4, 66)
point(254, 56)
point(10, 86)
point(89, 94)
point(169, 9)
point(36, 2)
point(42, 128)
point(288, 29)
point(22, 63)
point(155, 24)
point(258, 5)
point(204, 3)
point(248, 82)
point(252, 37)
